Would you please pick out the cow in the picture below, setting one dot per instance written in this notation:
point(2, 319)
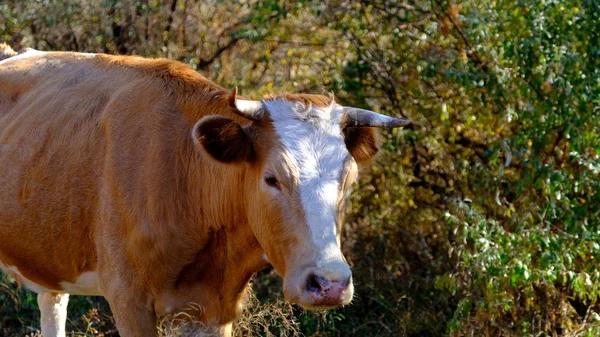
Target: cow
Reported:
point(142, 181)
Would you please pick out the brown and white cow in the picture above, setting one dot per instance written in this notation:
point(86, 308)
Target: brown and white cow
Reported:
point(141, 181)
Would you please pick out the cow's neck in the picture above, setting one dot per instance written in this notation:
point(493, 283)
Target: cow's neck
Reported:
point(227, 253)
point(221, 273)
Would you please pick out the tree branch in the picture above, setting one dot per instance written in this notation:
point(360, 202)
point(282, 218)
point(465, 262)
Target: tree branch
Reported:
point(203, 64)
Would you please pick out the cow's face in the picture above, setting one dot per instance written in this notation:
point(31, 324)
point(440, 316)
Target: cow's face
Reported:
point(303, 160)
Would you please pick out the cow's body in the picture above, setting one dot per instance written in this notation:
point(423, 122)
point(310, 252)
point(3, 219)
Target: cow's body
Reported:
point(105, 192)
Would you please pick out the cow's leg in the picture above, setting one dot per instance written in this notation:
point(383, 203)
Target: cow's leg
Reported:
point(53, 309)
point(226, 330)
point(134, 315)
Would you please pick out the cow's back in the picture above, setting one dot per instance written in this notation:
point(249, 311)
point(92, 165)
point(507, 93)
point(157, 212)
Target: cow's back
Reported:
point(76, 132)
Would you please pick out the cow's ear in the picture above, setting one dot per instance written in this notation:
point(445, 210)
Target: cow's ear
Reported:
point(362, 143)
point(224, 139)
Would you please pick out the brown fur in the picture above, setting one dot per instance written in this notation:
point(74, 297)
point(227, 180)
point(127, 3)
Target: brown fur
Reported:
point(225, 140)
point(362, 143)
point(306, 99)
point(99, 172)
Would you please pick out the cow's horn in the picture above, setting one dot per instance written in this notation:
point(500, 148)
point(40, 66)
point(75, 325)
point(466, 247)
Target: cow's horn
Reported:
point(362, 117)
point(253, 110)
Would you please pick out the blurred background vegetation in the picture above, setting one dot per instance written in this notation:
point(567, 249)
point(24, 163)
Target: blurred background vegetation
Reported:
point(481, 220)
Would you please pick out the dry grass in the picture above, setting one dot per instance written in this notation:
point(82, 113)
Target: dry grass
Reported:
point(268, 319)
point(183, 324)
point(275, 319)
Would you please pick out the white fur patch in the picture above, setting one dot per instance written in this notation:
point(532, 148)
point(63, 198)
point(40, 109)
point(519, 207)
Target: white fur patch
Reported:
point(86, 284)
point(30, 52)
point(315, 145)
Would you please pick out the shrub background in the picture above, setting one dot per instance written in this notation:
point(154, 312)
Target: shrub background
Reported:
point(480, 220)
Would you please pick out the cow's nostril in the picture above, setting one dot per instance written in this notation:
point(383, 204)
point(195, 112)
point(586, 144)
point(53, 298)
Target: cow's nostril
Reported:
point(313, 283)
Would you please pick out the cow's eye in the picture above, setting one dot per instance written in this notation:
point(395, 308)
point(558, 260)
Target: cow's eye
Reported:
point(272, 181)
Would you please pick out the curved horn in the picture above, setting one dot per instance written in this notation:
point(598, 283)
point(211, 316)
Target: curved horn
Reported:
point(362, 117)
point(252, 110)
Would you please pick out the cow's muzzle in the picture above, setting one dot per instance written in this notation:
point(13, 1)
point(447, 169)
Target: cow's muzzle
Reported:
point(321, 288)
point(329, 292)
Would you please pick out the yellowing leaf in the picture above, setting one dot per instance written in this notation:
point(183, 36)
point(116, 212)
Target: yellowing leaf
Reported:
point(411, 203)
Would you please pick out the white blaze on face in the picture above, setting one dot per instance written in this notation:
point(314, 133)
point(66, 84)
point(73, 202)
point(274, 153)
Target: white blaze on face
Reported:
point(315, 145)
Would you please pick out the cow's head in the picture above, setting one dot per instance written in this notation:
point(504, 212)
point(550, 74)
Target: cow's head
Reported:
point(302, 153)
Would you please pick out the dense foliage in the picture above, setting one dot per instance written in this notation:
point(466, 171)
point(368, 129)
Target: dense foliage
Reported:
point(482, 219)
